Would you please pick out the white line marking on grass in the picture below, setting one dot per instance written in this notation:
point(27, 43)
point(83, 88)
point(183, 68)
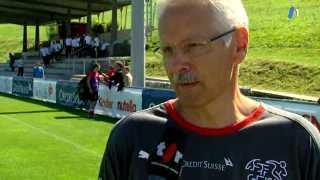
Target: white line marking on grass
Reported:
point(77, 146)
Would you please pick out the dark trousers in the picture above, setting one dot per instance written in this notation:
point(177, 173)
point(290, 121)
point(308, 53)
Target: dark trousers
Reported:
point(92, 100)
point(12, 65)
point(20, 71)
point(103, 53)
point(68, 51)
point(46, 61)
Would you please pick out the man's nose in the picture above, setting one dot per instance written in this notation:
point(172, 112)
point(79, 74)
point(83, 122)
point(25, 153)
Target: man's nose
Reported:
point(178, 62)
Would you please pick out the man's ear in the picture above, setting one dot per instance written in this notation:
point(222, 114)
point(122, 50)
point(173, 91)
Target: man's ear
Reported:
point(242, 41)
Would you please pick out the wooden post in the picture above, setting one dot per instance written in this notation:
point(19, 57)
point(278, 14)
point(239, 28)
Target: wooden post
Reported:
point(25, 38)
point(114, 26)
point(37, 38)
point(89, 21)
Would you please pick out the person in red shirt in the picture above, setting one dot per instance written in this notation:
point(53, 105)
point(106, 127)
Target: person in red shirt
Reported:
point(116, 76)
point(110, 71)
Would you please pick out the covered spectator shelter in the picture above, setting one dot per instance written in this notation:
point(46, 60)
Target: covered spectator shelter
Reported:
point(41, 12)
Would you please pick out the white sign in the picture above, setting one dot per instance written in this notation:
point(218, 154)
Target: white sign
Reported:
point(44, 90)
point(6, 84)
point(118, 104)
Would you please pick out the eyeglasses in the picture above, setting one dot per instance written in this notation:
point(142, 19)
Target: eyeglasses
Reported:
point(193, 49)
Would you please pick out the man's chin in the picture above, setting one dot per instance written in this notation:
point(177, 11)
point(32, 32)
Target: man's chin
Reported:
point(191, 101)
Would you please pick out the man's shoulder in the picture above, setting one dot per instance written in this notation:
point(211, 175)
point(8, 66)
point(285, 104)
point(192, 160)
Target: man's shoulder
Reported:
point(289, 122)
point(156, 115)
point(145, 119)
point(284, 115)
point(140, 124)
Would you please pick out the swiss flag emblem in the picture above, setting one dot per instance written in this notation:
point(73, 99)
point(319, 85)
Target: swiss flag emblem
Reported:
point(169, 152)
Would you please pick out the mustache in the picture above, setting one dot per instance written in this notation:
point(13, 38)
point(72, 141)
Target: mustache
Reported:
point(185, 77)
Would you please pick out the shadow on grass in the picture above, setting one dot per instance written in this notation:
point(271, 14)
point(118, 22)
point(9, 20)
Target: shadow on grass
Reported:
point(57, 108)
point(28, 112)
point(67, 117)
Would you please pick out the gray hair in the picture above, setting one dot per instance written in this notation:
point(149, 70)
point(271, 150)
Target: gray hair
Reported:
point(228, 13)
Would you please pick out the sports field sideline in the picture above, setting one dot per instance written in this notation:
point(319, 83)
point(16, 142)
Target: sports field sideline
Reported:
point(46, 141)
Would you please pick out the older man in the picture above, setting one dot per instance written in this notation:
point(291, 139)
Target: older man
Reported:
point(211, 131)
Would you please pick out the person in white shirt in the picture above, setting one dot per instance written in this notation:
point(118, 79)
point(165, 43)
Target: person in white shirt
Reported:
point(45, 54)
point(56, 49)
point(88, 45)
point(59, 46)
point(127, 77)
point(20, 66)
point(87, 39)
point(103, 51)
point(68, 42)
point(75, 46)
point(50, 54)
point(95, 44)
point(53, 50)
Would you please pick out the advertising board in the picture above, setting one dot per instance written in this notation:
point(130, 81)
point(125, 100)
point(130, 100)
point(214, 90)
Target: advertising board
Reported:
point(66, 94)
point(22, 86)
point(44, 90)
point(118, 104)
point(6, 84)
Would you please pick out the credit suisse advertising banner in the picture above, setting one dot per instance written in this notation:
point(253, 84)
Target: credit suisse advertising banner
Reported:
point(311, 111)
point(6, 84)
point(44, 90)
point(118, 104)
point(22, 86)
point(66, 94)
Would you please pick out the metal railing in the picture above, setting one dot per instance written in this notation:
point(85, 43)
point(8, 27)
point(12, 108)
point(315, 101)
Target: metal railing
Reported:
point(85, 62)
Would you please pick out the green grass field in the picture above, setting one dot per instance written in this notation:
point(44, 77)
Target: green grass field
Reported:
point(11, 39)
point(284, 55)
point(46, 141)
point(274, 37)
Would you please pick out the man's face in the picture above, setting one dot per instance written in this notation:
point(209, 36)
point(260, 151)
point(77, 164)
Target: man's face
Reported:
point(117, 67)
point(197, 80)
point(126, 70)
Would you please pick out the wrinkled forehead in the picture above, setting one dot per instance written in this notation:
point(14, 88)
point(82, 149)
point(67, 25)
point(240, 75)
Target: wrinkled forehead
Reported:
point(187, 19)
